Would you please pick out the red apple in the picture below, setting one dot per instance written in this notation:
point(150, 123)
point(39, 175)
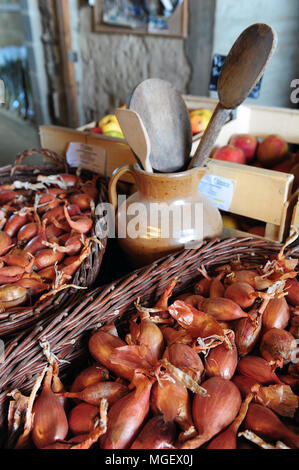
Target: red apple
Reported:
point(272, 150)
point(230, 153)
point(96, 130)
point(246, 142)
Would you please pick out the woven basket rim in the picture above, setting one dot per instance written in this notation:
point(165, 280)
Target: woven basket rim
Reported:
point(67, 333)
point(14, 320)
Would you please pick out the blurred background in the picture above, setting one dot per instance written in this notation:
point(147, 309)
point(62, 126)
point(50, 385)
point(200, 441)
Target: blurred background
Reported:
point(58, 70)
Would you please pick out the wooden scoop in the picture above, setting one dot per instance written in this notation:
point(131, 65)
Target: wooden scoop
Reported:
point(136, 135)
point(243, 67)
point(166, 119)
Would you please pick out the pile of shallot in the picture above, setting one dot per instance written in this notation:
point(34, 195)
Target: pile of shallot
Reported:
point(44, 235)
point(214, 368)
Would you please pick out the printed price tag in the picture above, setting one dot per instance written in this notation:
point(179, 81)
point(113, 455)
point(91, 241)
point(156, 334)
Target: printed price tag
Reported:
point(220, 190)
point(87, 156)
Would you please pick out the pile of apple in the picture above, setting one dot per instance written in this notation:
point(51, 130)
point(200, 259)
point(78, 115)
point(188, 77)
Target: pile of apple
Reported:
point(199, 119)
point(108, 125)
point(272, 152)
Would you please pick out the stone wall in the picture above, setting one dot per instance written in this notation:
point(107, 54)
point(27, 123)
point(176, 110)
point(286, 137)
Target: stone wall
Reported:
point(113, 64)
point(11, 32)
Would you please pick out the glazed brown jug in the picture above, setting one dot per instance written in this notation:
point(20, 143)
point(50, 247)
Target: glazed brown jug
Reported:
point(167, 213)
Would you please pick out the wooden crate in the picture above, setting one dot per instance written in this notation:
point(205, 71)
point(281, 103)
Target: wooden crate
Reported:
point(118, 153)
point(262, 121)
point(192, 102)
point(295, 213)
point(260, 194)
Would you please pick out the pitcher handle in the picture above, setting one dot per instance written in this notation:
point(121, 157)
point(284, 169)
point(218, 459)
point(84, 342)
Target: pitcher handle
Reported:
point(112, 193)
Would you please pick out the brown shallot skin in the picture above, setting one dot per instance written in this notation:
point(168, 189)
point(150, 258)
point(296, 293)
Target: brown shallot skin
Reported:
point(197, 323)
point(80, 224)
point(227, 439)
point(277, 346)
point(82, 200)
point(32, 286)
point(222, 362)
point(193, 299)
point(89, 376)
point(93, 394)
point(243, 275)
point(27, 232)
point(258, 369)
point(216, 288)
point(149, 334)
point(156, 434)
point(119, 358)
point(223, 309)
point(172, 336)
point(50, 422)
point(276, 314)
point(213, 413)
point(127, 415)
point(12, 295)
point(10, 274)
point(14, 223)
point(7, 196)
point(5, 243)
point(185, 358)
point(248, 331)
point(47, 257)
point(292, 287)
point(81, 418)
point(35, 244)
point(202, 287)
point(244, 384)
point(241, 293)
point(266, 424)
point(101, 345)
point(279, 398)
point(23, 260)
point(178, 408)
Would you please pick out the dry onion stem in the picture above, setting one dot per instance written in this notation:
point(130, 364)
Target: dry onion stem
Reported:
point(184, 378)
point(260, 442)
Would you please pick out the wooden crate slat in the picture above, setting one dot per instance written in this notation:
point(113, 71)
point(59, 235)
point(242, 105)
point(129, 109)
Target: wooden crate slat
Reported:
point(259, 194)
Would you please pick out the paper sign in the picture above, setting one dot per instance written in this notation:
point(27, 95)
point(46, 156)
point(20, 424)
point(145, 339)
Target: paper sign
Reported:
point(86, 156)
point(220, 190)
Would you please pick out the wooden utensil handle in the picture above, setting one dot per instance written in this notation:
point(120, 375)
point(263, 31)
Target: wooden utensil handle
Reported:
point(207, 141)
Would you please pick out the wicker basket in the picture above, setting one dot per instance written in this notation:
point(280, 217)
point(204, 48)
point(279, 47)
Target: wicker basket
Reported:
point(68, 332)
point(14, 319)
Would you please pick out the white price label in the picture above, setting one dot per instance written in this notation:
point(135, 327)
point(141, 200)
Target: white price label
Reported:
point(87, 156)
point(220, 190)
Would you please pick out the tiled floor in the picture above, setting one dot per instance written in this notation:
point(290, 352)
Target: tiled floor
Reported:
point(16, 136)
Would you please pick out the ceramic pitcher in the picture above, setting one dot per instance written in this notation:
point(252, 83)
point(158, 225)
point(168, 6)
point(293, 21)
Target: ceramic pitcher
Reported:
point(166, 213)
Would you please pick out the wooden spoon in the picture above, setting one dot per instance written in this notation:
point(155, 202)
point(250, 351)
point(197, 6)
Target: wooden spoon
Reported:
point(166, 119)
point(242, 69)
point(136, 135)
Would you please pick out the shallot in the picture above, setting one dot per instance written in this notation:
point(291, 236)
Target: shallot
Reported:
point(156, 434)
point(257, 368)
point(214, 412)
point(126, 417)
point(277, 346)
point(267, 425)
point(50, 422)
